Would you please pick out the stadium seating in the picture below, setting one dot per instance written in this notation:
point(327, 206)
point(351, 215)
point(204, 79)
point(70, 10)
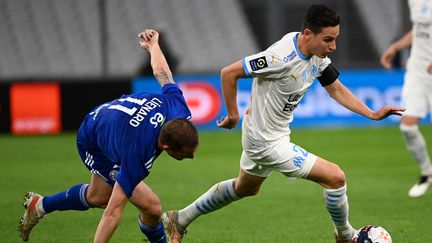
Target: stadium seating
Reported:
point(51, 39)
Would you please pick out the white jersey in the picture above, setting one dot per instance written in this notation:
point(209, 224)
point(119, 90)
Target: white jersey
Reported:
point(281, 75)
point(421, 50)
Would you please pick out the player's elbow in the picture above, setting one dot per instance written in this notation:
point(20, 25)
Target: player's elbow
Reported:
point(228, 76)
point(224, 72)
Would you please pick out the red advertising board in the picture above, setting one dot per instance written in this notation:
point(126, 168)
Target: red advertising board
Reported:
point(35, 108)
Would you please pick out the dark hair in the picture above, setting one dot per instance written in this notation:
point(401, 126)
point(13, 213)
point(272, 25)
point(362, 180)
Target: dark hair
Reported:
point(319, 17)
point(179, 133)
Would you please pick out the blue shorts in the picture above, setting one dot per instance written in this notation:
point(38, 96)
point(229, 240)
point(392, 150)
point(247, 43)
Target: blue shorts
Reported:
point(95, 160)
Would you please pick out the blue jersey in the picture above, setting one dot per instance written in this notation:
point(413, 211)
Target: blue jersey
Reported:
point(126, 131)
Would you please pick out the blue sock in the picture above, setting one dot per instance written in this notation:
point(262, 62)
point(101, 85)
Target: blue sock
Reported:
point(154, 233)
point(73, 198)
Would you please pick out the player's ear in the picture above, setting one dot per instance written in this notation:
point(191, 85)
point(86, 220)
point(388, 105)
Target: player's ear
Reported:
point(307, 33)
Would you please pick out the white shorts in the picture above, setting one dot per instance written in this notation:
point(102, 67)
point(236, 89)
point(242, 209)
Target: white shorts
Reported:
point(416, 95)
point(281, 155)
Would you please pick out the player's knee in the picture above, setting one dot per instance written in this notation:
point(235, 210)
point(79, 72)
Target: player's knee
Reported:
point(246, 191)
point(337, 178)
point(153, 211)
point(409, 131)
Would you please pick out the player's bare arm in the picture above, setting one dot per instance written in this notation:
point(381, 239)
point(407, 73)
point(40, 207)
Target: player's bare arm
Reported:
point(343, 96)
point(111, 216)
point(149, 41)
point(229, 77)
point(391, 51)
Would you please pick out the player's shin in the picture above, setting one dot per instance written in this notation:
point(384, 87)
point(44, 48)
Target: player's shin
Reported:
point(215, 198)
point(73, 198)
point(416, 144)
point(336, 202)
point(154, 233)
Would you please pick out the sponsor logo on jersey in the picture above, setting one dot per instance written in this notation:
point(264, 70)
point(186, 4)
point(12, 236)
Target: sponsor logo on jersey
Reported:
point(292, 101)
point(290, 57)
point(258, 63)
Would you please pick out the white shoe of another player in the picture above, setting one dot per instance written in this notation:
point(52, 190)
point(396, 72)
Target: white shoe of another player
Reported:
point(31, 215)
point(421, 187)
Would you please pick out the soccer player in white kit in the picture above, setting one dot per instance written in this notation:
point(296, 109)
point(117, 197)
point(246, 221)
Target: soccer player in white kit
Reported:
point(417, 88)
point(282, 74)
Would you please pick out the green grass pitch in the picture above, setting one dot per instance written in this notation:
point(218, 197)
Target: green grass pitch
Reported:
point(378, 168)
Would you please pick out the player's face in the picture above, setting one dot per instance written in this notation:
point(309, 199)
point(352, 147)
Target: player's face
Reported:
point(324, 43)
point(183, 153)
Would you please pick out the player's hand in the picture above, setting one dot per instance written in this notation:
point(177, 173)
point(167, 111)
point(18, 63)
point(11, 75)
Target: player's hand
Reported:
point(227, 122)
point(148, 38)
point(429, 69)
point(387, 111)
point(387, 57)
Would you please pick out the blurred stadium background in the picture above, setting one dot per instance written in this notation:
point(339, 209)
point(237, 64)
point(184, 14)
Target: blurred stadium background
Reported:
point(77, 54)
point(60, 58)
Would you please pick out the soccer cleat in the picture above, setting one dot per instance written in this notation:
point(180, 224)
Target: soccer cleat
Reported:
point(174, 229)
point(31, 215)
point(420, 188)
point(346, 236)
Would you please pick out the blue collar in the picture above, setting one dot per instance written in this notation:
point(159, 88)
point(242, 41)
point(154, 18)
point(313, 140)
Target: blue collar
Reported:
point(303, 57)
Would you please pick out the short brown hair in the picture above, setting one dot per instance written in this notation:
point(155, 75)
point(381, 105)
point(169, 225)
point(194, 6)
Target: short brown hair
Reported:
point(179, 133)
point(319, 17)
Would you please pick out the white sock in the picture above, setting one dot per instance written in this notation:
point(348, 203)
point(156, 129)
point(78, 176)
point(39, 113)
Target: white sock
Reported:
point(39, 208)
point(416, 144)
point(336, 202)
point(215, 198)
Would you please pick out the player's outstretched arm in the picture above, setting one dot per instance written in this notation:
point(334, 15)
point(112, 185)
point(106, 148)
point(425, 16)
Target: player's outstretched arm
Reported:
point(396, 46)
point(111, 216)
point(343, 96)
point(229, 77)
point(149, 41)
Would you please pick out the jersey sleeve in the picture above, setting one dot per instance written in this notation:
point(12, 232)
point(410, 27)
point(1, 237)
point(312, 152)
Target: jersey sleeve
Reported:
point(264, 64)
point(323, 64)
point(132, 172)
point(178, 107)
point(327, 73)
point(171, 89)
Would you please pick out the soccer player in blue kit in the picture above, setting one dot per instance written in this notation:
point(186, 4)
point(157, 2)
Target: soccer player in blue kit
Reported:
point(118, 143)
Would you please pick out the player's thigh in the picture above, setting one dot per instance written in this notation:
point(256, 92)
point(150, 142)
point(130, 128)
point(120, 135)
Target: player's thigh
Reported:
point(290, 159)
point(147, 202)
point(415, 96)
point(327, 174)
point(409, 120)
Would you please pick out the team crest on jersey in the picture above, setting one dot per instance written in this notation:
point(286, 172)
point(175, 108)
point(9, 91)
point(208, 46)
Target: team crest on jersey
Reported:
point(258, 63)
